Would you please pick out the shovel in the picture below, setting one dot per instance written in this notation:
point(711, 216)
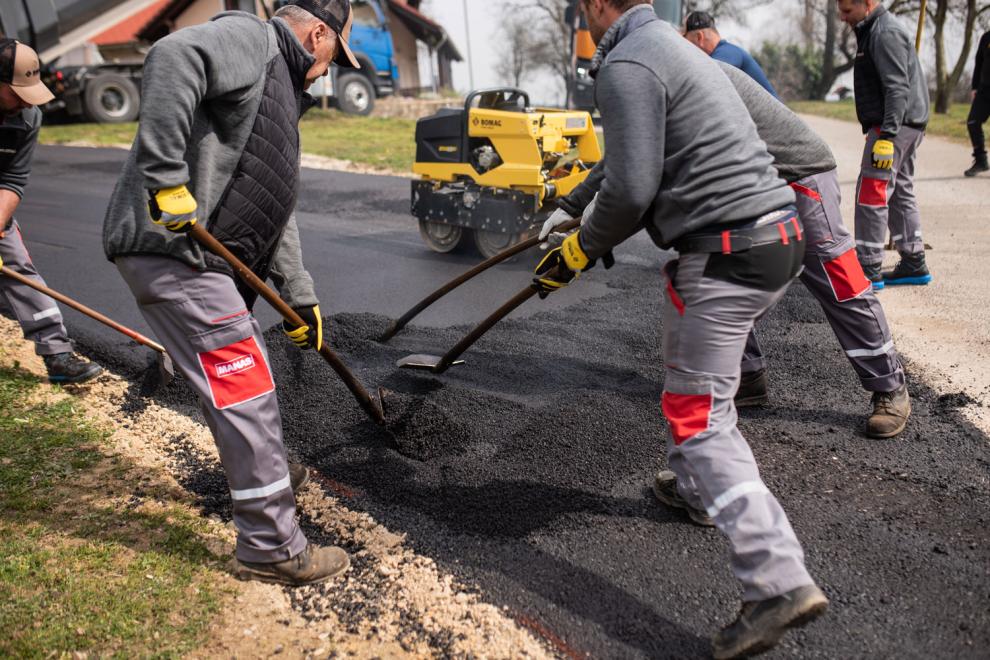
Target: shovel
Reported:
point(165, 367)
point(440, 363)
point(401, 322)
point(372, 406)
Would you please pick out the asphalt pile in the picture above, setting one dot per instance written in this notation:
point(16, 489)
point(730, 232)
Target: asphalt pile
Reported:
point(526, 472)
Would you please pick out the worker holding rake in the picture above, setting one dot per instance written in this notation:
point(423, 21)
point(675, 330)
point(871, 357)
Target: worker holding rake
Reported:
point(703, 183)
point(218, 142)
point(21, 91)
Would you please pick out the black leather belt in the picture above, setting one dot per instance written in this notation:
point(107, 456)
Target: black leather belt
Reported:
point(740, 240)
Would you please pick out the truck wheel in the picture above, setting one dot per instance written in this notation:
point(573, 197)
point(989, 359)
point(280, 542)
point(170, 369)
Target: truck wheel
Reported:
point(355, 95)
point(111, 98)
point(441, 237)
point(490, 243)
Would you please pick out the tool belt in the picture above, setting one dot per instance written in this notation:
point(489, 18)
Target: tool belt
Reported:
point(743, 238)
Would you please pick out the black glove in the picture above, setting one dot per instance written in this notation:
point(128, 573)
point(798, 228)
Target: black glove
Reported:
point(309, 335)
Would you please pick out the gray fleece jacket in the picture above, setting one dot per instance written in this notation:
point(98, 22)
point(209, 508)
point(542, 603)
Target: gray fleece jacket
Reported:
point(682, 153)
point(797, 150)
point(200, 94)
point(18, 138)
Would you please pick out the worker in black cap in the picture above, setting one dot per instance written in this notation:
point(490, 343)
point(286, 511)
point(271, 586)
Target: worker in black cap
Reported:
point(218, 141)
point(699, 29)
point(21, 91)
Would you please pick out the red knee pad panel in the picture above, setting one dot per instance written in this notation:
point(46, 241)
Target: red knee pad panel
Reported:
point(845, 274)
point(872, 192)
point(236, 373)
point(687, 414)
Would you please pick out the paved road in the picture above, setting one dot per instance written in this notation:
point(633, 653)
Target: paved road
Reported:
point(525, 472)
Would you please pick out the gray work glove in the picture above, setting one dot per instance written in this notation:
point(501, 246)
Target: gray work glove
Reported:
point(557, 218)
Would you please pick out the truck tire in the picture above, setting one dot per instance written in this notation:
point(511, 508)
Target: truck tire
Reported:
point(111, 98)
point(355, 95)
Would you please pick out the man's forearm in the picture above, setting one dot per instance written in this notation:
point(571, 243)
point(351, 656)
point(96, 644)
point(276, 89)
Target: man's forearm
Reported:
point(9, 201)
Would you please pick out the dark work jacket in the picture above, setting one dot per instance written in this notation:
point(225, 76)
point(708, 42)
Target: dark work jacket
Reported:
point(890, 86)
point(981, 70)
point(258, 202)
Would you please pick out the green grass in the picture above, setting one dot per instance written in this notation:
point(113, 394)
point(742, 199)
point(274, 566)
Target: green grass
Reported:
point(951, 125)
point(371, 141)
point(82, 568)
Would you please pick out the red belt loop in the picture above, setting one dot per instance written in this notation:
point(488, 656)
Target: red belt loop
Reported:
point(797, 228)
point(783, 233)
point(726, 243)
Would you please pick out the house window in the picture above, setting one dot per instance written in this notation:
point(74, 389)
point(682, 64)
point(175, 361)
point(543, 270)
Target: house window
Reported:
point(239, 5)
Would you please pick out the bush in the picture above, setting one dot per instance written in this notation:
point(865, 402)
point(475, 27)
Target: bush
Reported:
point(794, 71)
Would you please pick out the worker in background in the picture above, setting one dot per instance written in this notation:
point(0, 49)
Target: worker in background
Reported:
point(699, 29)
point(831, 271)
point(979, 112)
point(892, 107)
point(21, 91)
point(685, 162)
point(218, 142)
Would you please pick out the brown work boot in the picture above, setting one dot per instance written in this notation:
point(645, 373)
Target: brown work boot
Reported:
point(752, 390)
point(761, 624)
point(665, 490)
point(298, 476)
point(313, 565)
point(890, 413)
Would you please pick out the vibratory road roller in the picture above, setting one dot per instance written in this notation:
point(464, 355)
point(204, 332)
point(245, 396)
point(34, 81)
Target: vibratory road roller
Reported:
point(492, 169)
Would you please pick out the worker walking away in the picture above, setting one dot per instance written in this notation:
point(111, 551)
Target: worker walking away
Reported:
point(21, 91)
point(703, 183)
point(831, 271)
point(892, 107)
point(699, 29)
point(979, 112)
point(218, 142)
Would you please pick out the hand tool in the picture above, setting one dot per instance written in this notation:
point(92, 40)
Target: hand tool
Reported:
point(372, 406)
point(165, 366)
point(401, 322)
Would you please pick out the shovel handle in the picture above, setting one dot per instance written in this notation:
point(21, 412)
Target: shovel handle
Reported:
point(373, 409)
point(79, 307)
point(522, 246)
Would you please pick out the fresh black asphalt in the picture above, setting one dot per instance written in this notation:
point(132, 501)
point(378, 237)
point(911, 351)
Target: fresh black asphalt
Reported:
point(534, 487)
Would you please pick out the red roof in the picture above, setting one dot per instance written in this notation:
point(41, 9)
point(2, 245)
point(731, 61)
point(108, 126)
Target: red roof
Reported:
point(127, 30)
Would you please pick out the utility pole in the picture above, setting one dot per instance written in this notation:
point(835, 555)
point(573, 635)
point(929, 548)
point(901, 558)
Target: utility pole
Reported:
point(467, 39)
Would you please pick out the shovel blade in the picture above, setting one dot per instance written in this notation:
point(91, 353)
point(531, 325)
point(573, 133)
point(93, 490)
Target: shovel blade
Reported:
point(423, 361)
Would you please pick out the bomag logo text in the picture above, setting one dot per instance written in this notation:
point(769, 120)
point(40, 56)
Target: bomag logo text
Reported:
point(232, 367)
point(491, 123)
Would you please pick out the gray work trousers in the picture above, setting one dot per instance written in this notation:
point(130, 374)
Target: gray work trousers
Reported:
point(835, 278)
point(38, 314)
point(705, 325)
point(217, 346)
point(885, 198)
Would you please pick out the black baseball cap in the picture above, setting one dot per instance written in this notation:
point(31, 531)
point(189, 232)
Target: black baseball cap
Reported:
point(698, 20)
point(338, 16)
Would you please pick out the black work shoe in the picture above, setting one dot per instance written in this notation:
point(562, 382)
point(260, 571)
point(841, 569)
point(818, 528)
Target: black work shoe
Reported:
point(313, 565)
point(911, 269)
point(980, 164)
point(70, 368)
point(761, 624)
point(665, 489)
point(298, 476)
point(873, 274)
point(890, 413)
point(752, 390)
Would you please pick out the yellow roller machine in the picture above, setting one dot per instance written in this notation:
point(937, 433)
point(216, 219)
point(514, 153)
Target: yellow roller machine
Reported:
point(493, 169)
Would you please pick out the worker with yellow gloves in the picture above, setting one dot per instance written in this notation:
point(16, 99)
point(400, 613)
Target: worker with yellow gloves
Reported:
point(218, 143)
point(892, 107)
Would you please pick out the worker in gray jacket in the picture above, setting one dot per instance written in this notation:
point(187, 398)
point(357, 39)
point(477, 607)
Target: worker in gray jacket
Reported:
point(892, 107)
point(703, 183)
point(21, 91)
point(218, 142)
point(831, 271)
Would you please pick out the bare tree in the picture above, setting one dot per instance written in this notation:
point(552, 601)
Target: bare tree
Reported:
point(728, 9)
point(522, 51)
point(947, 12)
point(546, 22)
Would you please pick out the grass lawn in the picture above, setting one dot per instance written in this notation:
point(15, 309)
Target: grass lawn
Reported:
point(371, 141)
point(93, 559)
point(951, 125)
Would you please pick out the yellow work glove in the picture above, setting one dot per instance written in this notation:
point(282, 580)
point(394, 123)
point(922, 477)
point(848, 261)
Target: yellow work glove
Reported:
point(309, 335)
point(561, 265)
point(883, 154)
point(173, 208)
